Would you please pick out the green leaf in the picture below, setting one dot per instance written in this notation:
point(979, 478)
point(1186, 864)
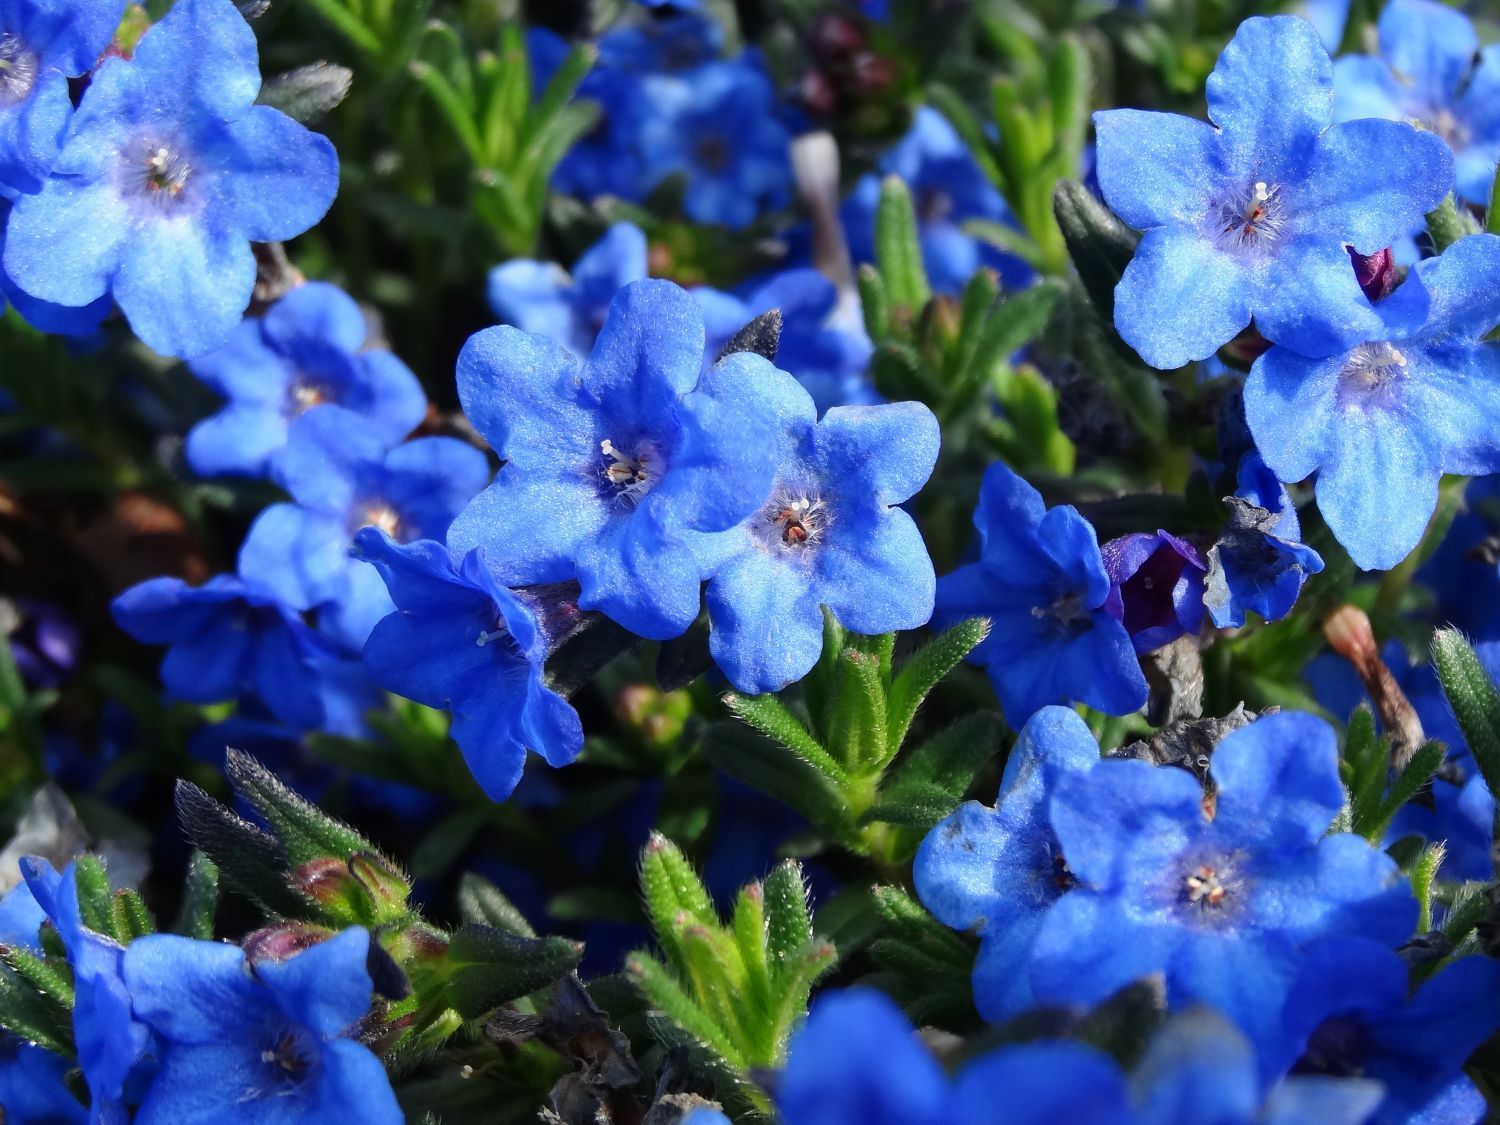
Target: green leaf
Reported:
point(93, 894)
point(779, 773)
point(1010, 325)
point(1474, 700)
point(1447, 224)
point(1418, 773)
point(930, 783)
point(948, 102)
point(50, 980)
point(1423, 873)
point(675, 897)
point(1100, 245)
point(491, 967)
point(1069, 82)
point(33, 1016)
point(251, 861)
point(481, 901)
point(1492, 216)
point(772, 717)
point(858, 733)
point(305, 831)
point(875, 303)
point(129, 918)
point(662, 992)
point(898, 250)
point(920, 674)
point(200, 899)
point(788, 919)
point(1368, 758)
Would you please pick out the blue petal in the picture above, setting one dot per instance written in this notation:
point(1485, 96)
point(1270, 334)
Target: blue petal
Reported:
point(1091, 946)
point(617, 259)
point(1363, 86)
point(767, 629)
point(534, 297)
point(1246, 977)
point(419, 575)
point(354, 1083)
point(325, 988)
point(328, 451)
point(1155, 168)
point(1123, 815)
point(191, 991)
point(282, 178)
point(428, 481)
point(1371, 182)
point(314, 311)
point(1311, 301)
point(1194, 1062)
point(31, 132)
point(202, 54)
point(1278, 780)
point(1073, 545)
point(1456, 294)
point(532, 529)
point(246, 369)
point(237, 441)
point(890, 450)
point(875, 575)
point(1290, 403)
point(648, 355)
point(64, 243)
point(1175, 267)
point(634, 573)
point(1007, 517)
point(1271, 92)
point(301, 557)
point(1042, 1083)
point(1430, 46)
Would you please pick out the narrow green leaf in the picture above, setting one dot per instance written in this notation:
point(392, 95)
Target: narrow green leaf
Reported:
point(920, 674)
point(481, 901)
point(663, 992)
point(779, 773)
point(1011, 324)
point(51, 980)
point(858, 727)
point(898, 250)
point(948, 102)
point(714, 984)
point(675, 898)
point(1368, 764)
point(1100, 245)
point(751, 936)
point(1069, 84)
point(1446, 224)
point(93, 894)
point(770, 716)
point(874, 302)
point(200, 899)
point(251, 861)
point(1417, 773)
point(907, 921)
point(1474, 700)
point(306, 831)
point(788, 919)
point(34, 1017)
point(491, 967)
point(1423, 872)
point(1492, 216)
point(129, 918)
point(799, 972)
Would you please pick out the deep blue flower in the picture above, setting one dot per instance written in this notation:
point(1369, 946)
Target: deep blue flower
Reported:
point(308, 350)
point(110, 1039)
point(821, 345)
point(342, 479)
point(667, 44)
point(44, 641)
point(828, 533)
point(32, 1090)
point(1460, 574)
point(247, 1044)
point(169, 171)
point(227, 638)
point(542, 298)
point(460, 639)
point(997, 871)
point(614, 464)
point(1251, 219)
point(716, 126)
point(1220, 898)
point(1431, 71)
point(1382, 421)
point(1259, 561)
point(43, 43)
point(1158, 579)
point(857, 1061)
point(948, 188)
point(1040, 578)
point(1350, 1012)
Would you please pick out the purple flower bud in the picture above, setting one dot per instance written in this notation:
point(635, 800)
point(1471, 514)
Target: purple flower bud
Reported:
point(1376, 272)
point(1159, 578)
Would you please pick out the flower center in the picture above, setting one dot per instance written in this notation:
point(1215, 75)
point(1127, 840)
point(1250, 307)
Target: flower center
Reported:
point(304, 394)
point(712, 153)
point(1205, 888)
point(629, 476)
point(1066, 613)
point(1445, 124)
point(289, 1058)
point(157, 171)
point(379, 513)
point(1372, 373)
point(795, 520)
point(1248, 220)
point(18, 69)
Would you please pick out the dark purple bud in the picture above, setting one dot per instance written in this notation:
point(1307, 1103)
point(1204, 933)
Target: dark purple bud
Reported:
point(836, 37)
point(1376, 272)
point(44, 642)
point(277, 943)
point(1159, 581)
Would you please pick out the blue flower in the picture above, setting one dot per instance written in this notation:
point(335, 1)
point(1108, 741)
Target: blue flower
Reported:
point(110, 1040)
point(1350, 1012)
point(1259, 561)
point(169, 171)
point(459, 639)
point(716, 126)
point(669, 43)
point(1219, 898)
point(308, 350)
point(830, 360)
point(228, 637)
point(948, 188)
point(1040, 578)
point(997, 871)
point(244, 1043)
point(1251, 219)
point(614, 464)
point(1158, 579)
point(1432, 72)
point(1381, 421)
point(828, 534)
point(541, 298)
point(342, 479)
point(43, 43)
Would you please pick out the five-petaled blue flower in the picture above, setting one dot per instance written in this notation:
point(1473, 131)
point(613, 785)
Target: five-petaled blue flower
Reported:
point(459, 639)
point(1259, 561)
point(828, 533)
point(43, 43)
point(1040, 578)
point(1158, 579)
point(1220, 896)
point(1431, 71)
point(1351, 1011)
point(1381, 421)
point(244, 1043)
point(168, 172)
point(342, 479)
point(997, 871)
point(308, 350)
point(615, 464)
point(1251, 220)
point(544, 299)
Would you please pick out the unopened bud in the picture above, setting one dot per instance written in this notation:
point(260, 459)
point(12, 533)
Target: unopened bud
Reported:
point(279, 942)
point(1349, 633)
point(1376, 272)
